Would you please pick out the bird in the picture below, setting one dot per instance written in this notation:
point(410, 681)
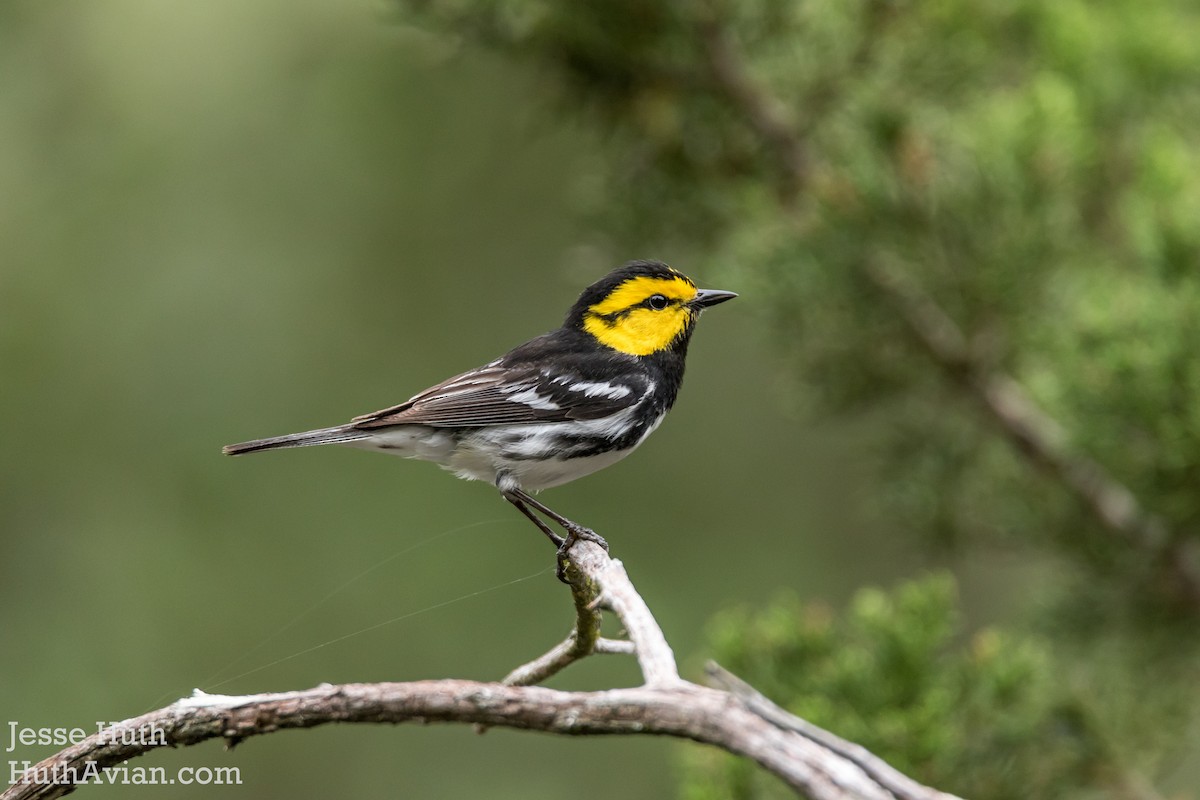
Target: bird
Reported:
point(556, 408)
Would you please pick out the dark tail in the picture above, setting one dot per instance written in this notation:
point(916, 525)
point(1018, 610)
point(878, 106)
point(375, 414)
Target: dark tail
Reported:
point(342, 433)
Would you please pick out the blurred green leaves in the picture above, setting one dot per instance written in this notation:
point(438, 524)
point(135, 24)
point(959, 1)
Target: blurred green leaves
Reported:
point(980, 715)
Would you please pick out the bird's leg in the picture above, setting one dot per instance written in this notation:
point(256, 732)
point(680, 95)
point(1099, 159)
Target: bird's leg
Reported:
point(574, 529)
point(516, 499)
point(523, 500)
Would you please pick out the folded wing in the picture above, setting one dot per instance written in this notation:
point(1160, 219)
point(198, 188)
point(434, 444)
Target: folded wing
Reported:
point(498, 394)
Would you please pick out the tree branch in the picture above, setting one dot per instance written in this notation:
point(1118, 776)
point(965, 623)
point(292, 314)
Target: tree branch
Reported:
point(814, 763)
point(1038, 436)
point(561, 656)
point(900, 785)
point(580, 643)
point(767, 116)
point(683, 710)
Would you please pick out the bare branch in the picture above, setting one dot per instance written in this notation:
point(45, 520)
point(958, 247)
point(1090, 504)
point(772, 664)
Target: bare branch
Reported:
point(683, 710)
point(561, 656)
point(616, 593)
point(900, 785)
point(799, 754)
point(582, 640)
point(596, 582)
point(614, 647)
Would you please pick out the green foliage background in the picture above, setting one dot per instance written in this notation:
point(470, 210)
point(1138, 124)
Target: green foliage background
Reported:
point(236, 219)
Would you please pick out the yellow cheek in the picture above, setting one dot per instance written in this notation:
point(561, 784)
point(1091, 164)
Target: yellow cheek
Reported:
point(640, 332)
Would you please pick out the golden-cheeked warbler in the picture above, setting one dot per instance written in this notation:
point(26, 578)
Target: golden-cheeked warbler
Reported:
point(554, 409)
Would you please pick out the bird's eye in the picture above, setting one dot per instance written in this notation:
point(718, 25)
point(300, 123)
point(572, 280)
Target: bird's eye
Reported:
point(657, 302)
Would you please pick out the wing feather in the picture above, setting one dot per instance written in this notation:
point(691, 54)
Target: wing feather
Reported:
point(502, 394)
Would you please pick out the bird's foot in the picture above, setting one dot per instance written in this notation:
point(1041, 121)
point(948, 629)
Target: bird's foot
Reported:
point(587, 534)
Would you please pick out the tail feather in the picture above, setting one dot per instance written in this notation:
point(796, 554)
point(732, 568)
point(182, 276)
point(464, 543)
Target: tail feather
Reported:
point(342, 433)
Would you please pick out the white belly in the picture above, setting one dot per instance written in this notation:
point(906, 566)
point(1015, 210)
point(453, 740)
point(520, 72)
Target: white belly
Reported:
point(532, 476)
point(511, 456)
